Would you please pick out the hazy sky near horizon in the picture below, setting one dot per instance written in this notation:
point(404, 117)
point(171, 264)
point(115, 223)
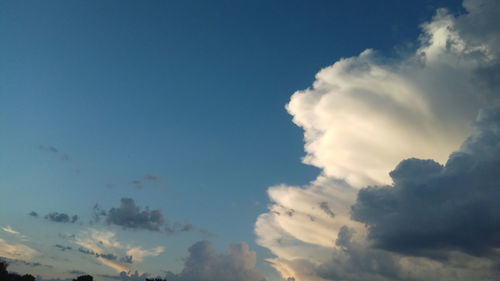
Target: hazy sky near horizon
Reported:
point(236, 140)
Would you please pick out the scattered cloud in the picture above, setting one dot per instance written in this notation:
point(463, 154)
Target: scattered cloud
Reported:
point(146, 179)
point(53, 150)
point(33, 214)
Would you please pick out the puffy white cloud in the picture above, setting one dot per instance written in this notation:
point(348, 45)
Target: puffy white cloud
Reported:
point(362, 116)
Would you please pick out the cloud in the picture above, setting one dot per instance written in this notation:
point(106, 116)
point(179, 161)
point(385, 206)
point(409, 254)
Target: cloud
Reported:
point(146, 179)
point(432, 208)
point(130, 216)
point(61, 217)
point(63, 248)
point(53, 150)
point(205, 264)
point(33, 214)
point(9, 229)
point(16, 251)
point(138, 254)
point(364, 115)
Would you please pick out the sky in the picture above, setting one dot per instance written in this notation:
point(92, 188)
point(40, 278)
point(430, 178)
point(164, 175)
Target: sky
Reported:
point(250, 140)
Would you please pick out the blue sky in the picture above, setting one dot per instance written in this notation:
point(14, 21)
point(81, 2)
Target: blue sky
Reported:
point(180, 106)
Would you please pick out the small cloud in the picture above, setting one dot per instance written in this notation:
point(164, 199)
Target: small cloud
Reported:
point(9, 229)
point(138, 254)
point(154, 178)
point(326, 208)
point(33, 214)
point(63, 248)
point(130, 216)
point(53, 150)
point(61, 217)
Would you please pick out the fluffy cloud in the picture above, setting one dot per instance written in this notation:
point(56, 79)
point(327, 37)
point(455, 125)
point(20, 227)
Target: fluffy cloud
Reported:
point(205, 264)
point(364, 115)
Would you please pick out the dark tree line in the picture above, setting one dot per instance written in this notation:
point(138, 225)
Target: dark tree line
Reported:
point(6, 276)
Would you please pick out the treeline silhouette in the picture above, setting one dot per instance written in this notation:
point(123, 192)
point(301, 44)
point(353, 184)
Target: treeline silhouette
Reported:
point(6, 276)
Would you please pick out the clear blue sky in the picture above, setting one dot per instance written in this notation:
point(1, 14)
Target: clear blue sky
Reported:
point(192, 93)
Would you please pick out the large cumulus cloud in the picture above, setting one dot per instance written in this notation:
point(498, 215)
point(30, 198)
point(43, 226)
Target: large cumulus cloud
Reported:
point(364, 115)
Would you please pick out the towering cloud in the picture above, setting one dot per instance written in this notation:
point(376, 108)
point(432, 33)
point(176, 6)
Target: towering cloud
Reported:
point(428, 219)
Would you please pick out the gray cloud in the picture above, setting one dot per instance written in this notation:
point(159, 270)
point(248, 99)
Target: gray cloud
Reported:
point(53, 150)
point(130, 216)
point(63, 248)
point(127, 259)
point(77, 272)
point(33, 214)
point(326, 208)
point(432, 208)
point(61, 217)
point(108, 256)
point(205, 264)
point(146, 179)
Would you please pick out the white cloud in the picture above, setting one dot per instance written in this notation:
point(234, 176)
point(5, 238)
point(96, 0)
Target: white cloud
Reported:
point(138, 254)
point(361, 117)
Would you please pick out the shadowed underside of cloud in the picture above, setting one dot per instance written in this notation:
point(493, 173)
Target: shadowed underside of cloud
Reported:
point(205, 264)
point(428, 219)
point(433, 208)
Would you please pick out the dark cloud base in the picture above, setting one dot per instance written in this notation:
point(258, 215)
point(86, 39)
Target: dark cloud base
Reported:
point(431, 209)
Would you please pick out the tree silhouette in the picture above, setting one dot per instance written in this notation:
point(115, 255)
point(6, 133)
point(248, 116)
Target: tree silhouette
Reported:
point(6, 276)
point(84, 278)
